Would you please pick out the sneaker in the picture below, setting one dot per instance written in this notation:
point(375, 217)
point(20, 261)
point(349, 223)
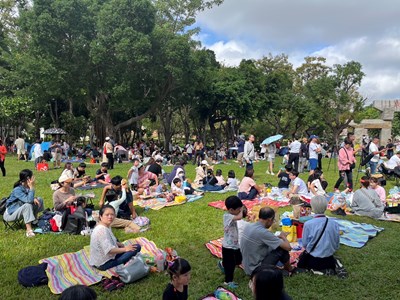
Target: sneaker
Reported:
point(272, 173)
point(221, 267)
point(231, 285)
point(341, 272)
point(267, 172)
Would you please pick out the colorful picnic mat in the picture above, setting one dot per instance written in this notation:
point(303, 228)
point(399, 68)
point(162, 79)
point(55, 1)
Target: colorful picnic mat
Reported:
point(215, 247)
point(158, 203)
point(355, 234)
point(91, 186)
point(390, 217)
point(70, 269)
point(251, 203)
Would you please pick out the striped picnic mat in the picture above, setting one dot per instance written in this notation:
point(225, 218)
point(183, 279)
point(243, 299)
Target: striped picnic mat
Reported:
point(355, 234)
point(251, 203)
point(70, 269)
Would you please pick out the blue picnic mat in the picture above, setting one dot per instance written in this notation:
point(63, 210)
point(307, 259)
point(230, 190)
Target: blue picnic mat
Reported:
point(356, 234)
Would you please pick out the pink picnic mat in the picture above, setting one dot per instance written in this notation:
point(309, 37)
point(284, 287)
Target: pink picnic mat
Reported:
point(251, 203)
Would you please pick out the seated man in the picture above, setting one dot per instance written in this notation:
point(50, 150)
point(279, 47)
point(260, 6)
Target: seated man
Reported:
point(320, 240)
point(393, 164)
point(100, 173)
point(261, 249)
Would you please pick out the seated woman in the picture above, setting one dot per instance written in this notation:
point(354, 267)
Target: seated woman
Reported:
point(65, 195)
point(146, 179)
point(366, 202)
point(320, 239)
point(248, 190)
point(105, 250)
point(201, 173)
point(22, 202)
point(210, 183)
point(268, 284)
point(101, 173)
point(374, 185)
point(316, 187)
point(68, 170)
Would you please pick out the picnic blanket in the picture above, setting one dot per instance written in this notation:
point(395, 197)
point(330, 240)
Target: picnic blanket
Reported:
point(215, 247)
point(355, 234)
point(223, 191)
point(72, 160)
point(70, 269)
point(390, 217)
point(91, 186)
point(251, 203)
point(159, 203)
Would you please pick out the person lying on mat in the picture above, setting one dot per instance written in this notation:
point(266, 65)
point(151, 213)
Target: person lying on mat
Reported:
point(22, 203)
point(366, 202)
point(320, 239)
point(105, 250)
point(248, 189)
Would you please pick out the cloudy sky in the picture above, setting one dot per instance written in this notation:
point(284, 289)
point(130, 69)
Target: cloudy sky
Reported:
point(340, 30)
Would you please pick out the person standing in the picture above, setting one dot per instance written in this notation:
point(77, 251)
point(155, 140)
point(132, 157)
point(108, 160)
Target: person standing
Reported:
point(345, 161)
point(294, 153)
point(314, 149)
point(108, 151)
point(240, 146)
point(3, 152)
point(374, 149)
point(20, 144)
point(303, 155)
point(37, 152)
point(389, 149)
point(249, 153)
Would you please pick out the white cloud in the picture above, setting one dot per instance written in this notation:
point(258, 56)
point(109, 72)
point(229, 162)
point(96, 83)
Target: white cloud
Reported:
point(341, 31)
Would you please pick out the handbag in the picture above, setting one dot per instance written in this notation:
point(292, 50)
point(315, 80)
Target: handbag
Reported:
point(305, 255)
point(133, 270)
point(353, 165)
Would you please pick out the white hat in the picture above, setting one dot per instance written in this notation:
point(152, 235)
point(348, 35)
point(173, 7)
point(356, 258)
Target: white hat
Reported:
point(204, 162)
point(64, 178)
point(107, 138)
point(158, 157)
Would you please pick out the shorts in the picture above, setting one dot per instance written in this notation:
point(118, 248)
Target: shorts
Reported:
point(271, 158)
point(56, 156)
point(313, 163)
point(21, 151)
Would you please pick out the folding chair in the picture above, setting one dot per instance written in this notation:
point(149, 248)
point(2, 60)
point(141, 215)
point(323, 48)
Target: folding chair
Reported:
point(13, 225)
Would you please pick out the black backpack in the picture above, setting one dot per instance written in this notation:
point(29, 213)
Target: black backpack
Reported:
point(73, 223)
point(33, 275)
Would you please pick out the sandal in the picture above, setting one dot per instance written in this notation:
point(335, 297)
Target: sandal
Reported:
point(30, 233)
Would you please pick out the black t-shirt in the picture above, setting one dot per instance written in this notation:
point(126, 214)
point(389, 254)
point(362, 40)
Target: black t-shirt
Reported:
point(211, 180)
point(170, 293)
point(284, 180)
point(99, 171)
point(80, 173)
point(155, 169)
point(112, 195)
point(124, 211)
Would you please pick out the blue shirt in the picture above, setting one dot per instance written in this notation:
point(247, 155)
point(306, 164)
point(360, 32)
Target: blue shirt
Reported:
point(241, 146)
point(19, 196)
point(329, 242)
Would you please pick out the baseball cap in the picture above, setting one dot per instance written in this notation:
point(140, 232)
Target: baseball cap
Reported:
point(64, 178)
point(204, 162)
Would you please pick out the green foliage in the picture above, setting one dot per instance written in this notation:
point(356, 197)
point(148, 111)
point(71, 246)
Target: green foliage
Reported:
point(367, 112)
point(76, 127)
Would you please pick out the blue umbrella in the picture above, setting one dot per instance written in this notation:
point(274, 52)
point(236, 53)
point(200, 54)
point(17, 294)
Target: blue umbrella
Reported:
point(272, 139)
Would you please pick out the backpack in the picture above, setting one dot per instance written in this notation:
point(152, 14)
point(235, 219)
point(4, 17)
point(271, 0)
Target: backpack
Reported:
point(3, 205)
point(73, 223)
point(33, 275)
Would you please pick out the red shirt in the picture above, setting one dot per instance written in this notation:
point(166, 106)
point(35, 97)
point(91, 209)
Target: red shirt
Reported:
point(3, 152)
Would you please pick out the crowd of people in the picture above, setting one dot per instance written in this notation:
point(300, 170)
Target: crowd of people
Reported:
point(258, 249)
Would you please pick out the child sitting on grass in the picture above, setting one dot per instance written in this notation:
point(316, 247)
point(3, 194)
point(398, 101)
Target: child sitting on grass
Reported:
point(220, 178)
point(232, 183)
point(179, 272)
point(284, 180)
point(231, 255)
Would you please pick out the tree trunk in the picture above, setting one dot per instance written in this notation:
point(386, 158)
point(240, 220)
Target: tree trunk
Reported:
point(213, 132)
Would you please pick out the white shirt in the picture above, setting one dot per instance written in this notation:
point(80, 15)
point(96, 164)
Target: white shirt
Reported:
point(295, 147)
point(102, 241)
point(374, 148)
point(393, 162)
point(313, 150)
point(249, 151)
point(302, 187)
point(37, 151)
point(20, 143)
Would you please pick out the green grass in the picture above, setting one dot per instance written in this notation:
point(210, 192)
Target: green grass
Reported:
point(374, 270)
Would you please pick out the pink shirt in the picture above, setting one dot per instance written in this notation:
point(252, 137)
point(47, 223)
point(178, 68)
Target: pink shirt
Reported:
point(381, 193)
point(246, 184)
point(346, 156)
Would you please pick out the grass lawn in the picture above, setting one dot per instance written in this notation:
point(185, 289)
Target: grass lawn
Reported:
point(374, 270)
